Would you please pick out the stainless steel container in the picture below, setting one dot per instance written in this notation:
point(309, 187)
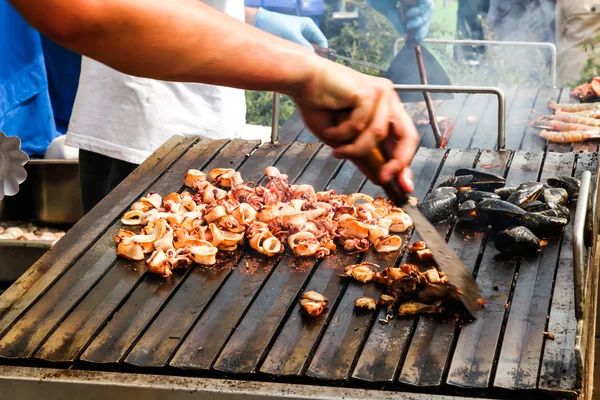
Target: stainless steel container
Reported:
point(16, 256)
point(50, 195)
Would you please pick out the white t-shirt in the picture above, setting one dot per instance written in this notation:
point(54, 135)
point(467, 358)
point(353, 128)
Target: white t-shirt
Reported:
point(128, 118)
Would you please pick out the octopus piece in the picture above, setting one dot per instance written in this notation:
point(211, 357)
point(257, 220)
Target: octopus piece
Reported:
point(313, 303)
point(305, 192)
point(387, 244)
point(363, 272)
point(303, 244)
point(131, 217)
point(159, 264)
point(203, 252)
point(229, 223)
point(193, 177)
point(365, 303)
point(357, 244)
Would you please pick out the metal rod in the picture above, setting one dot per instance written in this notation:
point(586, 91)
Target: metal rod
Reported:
point(432, 120)
point(275, 119)
point(578, 244)
point(468, 89)
point(546, 45)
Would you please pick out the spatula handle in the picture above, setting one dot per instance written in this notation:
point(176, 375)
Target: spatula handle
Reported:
point(410, 33)
point(374, 161)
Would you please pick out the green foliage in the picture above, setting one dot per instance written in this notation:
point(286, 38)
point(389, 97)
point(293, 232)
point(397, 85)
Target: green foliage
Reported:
point(259, 108)
point(591, 67)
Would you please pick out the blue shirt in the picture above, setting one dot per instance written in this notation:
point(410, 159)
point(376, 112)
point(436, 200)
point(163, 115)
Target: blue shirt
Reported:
point(38, 82)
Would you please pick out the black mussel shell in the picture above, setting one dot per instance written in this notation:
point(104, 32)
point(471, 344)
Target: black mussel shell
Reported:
point(526, 193)
point(570, 184)
point(487, 186)
point(440, 191)
point(439, 208)
point(536, 206)
point(467, 211)
point(475, 195)
point(555, 196)
point(456, 181)
point(505, 191)
point(517, 240)
point(543, 225)
point(560, 211)
point(479, 175)
point(499, 213)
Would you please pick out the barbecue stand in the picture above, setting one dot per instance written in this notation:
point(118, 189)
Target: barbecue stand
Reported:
point(81, 322)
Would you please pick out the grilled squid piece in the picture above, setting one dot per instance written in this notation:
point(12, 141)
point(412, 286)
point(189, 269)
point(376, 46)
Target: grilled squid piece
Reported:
point(194, 176)
point(401, 221)
point(166, 241)
point(365, 303)
point(159, 264)
point(180, 236)
point(130, 250)
point(354, 197)
point(174, 197)
point(354, 229)
point(387, 244)
point(132, 217)
point(305, 192)
point(313, 303)
point(229, 223)
point(146, 241)
point(230, 241)
point(215, 214)
point(357, 244)
point(245, 214)
point(154, 199)
point(225, 177)
point(376, 232)
point(202, 252)
point(268, 213)
point(363, 272)
point(293, 220)
point(211, 234)
point(303, 244)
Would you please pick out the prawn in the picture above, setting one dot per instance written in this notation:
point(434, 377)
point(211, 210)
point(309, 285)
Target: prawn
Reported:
point(572, 107)
point(570, 136)
point(559, 125)
point(588, 114)
point(574, 119)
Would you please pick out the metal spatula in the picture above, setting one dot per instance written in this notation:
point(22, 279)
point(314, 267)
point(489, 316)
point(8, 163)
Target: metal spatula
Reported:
point(467, 291)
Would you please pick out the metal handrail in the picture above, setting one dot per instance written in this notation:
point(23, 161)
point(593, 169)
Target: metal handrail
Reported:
point(547, 45)
point(579, 277)
point(468, 89)
point(275, 118)
point(432, 89)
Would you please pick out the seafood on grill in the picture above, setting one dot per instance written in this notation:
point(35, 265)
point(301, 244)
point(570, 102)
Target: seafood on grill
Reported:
point(28, 231)
point(313, 303)
point(588, 91)
point(517, 240)
point(221, 212)
point(365, 303)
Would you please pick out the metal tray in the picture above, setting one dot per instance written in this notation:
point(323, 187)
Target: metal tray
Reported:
point(16, 256)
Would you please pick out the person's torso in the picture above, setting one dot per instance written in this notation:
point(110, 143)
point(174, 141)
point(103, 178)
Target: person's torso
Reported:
point(127, 117)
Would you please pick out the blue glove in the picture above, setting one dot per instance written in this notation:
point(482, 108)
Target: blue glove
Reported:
point(301, 30)
point(419, 16)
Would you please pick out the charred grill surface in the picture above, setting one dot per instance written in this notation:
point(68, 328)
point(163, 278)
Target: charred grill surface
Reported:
point(80, 306)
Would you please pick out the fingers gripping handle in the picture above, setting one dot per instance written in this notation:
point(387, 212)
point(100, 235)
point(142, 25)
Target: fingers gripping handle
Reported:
point(374, 161)
point(410, 33)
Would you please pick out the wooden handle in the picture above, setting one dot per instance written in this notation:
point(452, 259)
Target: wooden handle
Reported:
point(374, 161)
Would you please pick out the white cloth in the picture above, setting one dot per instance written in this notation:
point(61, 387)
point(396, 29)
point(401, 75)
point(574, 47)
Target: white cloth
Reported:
point(128, 118)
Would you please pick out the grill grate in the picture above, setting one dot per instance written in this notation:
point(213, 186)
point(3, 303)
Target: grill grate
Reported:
point(81, 307)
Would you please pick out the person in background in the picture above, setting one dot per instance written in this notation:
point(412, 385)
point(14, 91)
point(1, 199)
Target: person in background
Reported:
point(119, 119)
point(577, 24)
point(417, 18)
point(469, 26)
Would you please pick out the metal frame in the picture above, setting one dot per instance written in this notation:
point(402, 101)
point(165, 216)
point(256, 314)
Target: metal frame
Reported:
point(546, 45)
point(25, 383)
point(429, 89)
point(579, 276)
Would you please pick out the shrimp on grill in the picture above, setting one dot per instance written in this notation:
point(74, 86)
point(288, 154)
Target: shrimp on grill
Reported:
point(588, 113)
point(559, 125)
point(573, 119)
point(570, 136)
point(554, 106)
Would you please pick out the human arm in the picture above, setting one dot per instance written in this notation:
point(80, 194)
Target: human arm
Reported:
point(189, 41)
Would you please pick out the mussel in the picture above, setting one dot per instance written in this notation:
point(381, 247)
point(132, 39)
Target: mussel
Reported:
point(560, 211)
point(570, 184)
point(456, 181)
point(467, 211)
point(543, 225)
point(526, 193)
point(475, 195)
point(536, 206)
point(440, 192)
point(439, 208)
point(554, 196)
point(505, 191)
point(499, 213)
point(517, 240)
point(482, 180)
